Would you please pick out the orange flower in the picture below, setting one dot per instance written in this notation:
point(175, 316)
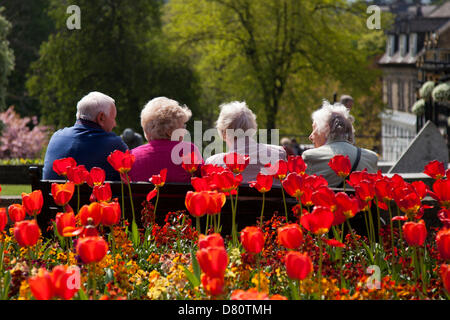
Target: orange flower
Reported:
point(103, 192)
point(213, 285)
point(60, 166)
point(78, 175)
point(191, 162)
point(33, 202)
point(64, 220)
point(64, 280)
point(250, 294)
point(415, 233)
point(213, 261)
point(16, 212)
point(263, 183)
point(298, 265)
point(96, 177)
point(296, 164)
point(197, 203)
point(341, 165)
point(121, 161)
point(212, 240)
point(236, 162)
point(252, 239)
point(41, 285)
point(159, 179)
point(435, 169)
point(92, 249)
point(92, 211)
point(445, 275)
point(110, 213)
point(443, 243)
point(62, 193)
point(216, 202)
point(318, 221)
point(290, 236)
point(3, 219)
point(27, 233)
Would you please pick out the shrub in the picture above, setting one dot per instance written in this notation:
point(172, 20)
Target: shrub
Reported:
point(17, 140)
point(441, 93)
point(426, 89)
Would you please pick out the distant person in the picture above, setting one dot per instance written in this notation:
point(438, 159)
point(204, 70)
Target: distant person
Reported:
point(160, 117)
point(347, 101)
point(90, 140)
point(287, 146)
point(131, 138)
point(235, 117)
point(333, 134)
point(296, 147)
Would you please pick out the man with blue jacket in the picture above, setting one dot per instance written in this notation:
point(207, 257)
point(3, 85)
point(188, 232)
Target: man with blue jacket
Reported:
point(90, 140)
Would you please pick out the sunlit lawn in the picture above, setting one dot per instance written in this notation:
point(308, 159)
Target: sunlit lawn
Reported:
point(14, 189)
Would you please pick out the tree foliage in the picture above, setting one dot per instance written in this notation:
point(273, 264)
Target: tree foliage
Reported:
point(6, 58)
point(119, 51)
point(281, 56)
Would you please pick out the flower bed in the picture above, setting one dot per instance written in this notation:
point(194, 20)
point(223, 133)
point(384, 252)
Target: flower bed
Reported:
point(95, 254)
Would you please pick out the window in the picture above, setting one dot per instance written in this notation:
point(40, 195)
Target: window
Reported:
point(413, 44)
point(403, 45)
point(391, 45)
point(401, 103)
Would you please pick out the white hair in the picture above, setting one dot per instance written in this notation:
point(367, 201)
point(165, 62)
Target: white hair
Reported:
point(235, 115)
point(92, 104)
point(335, 121)
point(161, 116)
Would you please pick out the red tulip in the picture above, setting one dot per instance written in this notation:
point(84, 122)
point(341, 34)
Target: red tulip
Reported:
point(409, 204)
point(445, 275)
point(324, 197)
point(279, 170)
point(200, 184)
point(236, 162)
point(96, 177)
point(213, 285)
point(296, 164)
point(293, 185)
point(441, 192)
point(383, 192)
point(250, 294)
point(3, 219)
point(64, 220)
point(212, 240)
point(444, 217)
point(298, 265)
point(110, 213)
point(290, 236)
point(263, 183)
point(65, 281)
point(92, 249)
point(213, 261)
point(421, 188)
point(103, 192)
point(341, 165)
point(365, 190)
point(356, 177)
point(41, 285)
point(307, 196)
point(252, 239)
point(16, 213)
point(315, 182)
point(443, 243)
point(83, 231)
point(90, 214)
point(318, 221)
point(216, 202)
point(191, 162)
point(62, 193)
point(159, 179)
point(347, 206)
point(78, 175)
point(33, 202)
point(415, 233)
point(121, 161)
point(435, 169)
point(226, 182)
point(27, 233)
point(210, 169)
point(197, 203)
point(60, 166)
point(334, 243)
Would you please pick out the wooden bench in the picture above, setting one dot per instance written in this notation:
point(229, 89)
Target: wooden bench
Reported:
point(172, 197)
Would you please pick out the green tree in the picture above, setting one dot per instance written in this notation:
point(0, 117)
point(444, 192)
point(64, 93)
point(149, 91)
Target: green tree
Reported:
point(6, 58)
point(30, 27)
point(281, 56)
point(119, 51)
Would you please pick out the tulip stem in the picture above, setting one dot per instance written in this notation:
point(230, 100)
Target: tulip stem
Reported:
point(258, 262)
point(207, 224)
point(197, 223)
point(233, 221)
point(131, 195)
point(262, 211)
point(156, 202)
point(423, 270)
point(284, 201)
point(320, 268)
point(123, 202)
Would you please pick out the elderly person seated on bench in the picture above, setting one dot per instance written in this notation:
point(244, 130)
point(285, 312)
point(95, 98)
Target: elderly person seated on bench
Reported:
point(333, 134)
point(236, 125)
point(162, 118)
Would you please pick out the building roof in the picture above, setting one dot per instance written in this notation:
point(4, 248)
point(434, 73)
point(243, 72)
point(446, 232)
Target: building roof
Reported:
point(442, 11)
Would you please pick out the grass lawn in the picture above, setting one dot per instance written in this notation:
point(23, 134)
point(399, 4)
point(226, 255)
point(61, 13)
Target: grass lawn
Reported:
point(14, 189)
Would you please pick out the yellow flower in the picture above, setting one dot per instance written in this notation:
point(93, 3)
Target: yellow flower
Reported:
point(264, 285)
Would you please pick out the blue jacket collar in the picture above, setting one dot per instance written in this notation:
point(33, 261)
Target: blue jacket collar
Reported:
point(88, 123)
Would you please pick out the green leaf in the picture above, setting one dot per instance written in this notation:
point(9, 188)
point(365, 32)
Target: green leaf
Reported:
point(195, 265)
point(193, 280)
point(369, 252)
point(134, 234)
point(6, 283)
point(82, 295)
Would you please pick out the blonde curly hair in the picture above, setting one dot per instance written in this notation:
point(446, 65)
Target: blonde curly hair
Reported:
point(161, 116)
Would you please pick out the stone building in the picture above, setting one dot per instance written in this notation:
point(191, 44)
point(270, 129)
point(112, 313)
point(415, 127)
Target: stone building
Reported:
point(407, 44)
